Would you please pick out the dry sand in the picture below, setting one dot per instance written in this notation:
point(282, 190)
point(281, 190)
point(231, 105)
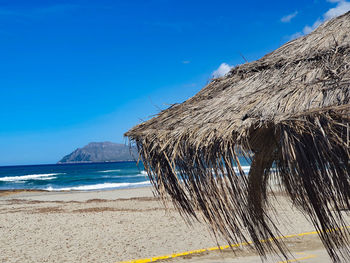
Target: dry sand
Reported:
point(111, 226)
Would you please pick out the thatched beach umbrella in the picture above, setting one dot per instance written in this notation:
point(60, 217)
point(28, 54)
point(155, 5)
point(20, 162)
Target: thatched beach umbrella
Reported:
point(288, 110)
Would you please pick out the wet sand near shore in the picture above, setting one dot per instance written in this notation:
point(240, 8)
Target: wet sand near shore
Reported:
point(116, 225)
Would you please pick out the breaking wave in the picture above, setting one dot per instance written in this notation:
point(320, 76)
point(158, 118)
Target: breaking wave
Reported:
point(99, 186)
point(29, 177)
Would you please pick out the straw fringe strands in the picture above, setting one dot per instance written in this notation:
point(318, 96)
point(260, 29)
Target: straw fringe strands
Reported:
point(289, 109)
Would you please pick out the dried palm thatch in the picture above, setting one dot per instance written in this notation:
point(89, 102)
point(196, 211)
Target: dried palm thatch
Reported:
point(289, 109)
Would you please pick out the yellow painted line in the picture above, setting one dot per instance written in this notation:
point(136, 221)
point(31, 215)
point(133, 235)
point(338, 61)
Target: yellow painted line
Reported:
point(199, 251)
point(298, 259)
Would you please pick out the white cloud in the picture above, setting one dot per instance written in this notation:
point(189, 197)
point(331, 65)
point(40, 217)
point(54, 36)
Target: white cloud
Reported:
point(288, 18)
point(342, 6)
point(186, 62)
point(309, 29)
point(222, 70)
point(296, 35)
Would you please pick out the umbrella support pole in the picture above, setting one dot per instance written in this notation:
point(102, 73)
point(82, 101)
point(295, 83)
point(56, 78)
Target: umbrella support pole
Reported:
point(258, 179)
point(347, 134)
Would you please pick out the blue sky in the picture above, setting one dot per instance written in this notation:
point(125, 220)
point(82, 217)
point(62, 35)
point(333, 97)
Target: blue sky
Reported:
point(73, 72)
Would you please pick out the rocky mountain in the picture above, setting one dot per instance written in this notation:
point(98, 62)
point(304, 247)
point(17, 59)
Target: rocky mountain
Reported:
point(101, 152)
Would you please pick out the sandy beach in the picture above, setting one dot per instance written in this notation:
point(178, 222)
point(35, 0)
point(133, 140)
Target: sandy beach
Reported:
point(112, 226)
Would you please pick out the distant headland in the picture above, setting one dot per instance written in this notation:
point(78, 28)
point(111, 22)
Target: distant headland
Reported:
point(96, 152)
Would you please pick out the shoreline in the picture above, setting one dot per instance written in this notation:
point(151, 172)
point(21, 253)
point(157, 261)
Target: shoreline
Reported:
point(77, 195)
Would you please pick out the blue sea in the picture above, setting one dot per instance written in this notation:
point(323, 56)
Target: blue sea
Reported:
point(65, 177)
point(80, 177)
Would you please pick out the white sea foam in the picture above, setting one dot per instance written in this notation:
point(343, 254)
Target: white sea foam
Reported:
point(46, 178)
point(29, 177)
point(244, 168)
point(144, 173)
point(109, 171)
point(99, 186)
